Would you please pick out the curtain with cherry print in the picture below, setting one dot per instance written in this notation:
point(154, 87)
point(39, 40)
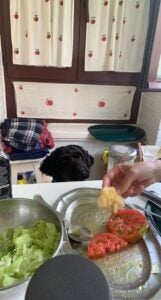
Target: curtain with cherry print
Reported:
point(42, 32)
point(116, 35)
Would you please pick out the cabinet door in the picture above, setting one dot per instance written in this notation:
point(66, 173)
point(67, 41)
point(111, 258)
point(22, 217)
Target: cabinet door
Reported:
point(36, 73)
point(109, 26)
point(13, 72)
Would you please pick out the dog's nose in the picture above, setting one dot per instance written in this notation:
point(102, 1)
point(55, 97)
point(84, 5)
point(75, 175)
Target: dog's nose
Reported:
point(83, 173)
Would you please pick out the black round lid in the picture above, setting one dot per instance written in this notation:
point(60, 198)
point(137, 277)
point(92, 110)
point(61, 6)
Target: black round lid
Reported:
point(68, 277)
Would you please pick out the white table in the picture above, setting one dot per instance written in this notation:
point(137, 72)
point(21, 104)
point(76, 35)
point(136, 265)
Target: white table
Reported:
point(50, 192)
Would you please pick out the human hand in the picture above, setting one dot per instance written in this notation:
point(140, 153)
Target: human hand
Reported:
point(131, 180)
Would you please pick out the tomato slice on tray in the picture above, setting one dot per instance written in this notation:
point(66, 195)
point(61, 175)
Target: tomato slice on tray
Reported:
point(129, 224)
point(103, 243)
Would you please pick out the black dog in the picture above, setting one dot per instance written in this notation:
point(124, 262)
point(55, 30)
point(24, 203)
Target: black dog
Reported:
point(67, 163)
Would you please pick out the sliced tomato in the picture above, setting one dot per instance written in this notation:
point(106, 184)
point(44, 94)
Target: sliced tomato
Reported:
point(129, 224)
point(104, 243)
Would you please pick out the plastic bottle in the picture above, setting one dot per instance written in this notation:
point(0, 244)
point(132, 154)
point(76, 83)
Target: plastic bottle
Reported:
point(21, 179)
point(5, 175)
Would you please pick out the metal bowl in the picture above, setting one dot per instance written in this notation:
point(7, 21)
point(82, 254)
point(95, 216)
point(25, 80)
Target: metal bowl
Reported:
point(16, 212)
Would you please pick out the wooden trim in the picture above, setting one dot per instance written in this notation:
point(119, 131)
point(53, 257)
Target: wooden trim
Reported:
point(76, 74)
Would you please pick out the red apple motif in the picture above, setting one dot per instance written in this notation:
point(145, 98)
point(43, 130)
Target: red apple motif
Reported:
point(124, 21)
point(117, 36)
point(76, 90)
point(125, 115)
point(129, 92)
point(22, 113)
point(16, 16)
point(36, 18)
point(103, 38)
point(46, 0)
point(16, 51)
point(26, 35)
point(93, 21)
point(137, 4)
point(74, 114)
point(120, 2)
point(37, 52)
point(133, 38)
point(101, 103)
point(113, 20)
point(48, 35)
point(60, 38)
point(110, 54)
point(49, 102)
point(61, 3)
point(105, 3)
point(20, 87)
point(90, 54)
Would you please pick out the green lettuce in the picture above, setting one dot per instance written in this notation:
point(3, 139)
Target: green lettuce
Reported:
point(23, 250)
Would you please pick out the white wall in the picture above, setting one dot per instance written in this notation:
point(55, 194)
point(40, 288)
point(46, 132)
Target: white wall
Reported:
point(149, 117)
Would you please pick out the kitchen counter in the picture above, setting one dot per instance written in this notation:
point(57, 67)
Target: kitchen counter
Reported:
point(50, 192)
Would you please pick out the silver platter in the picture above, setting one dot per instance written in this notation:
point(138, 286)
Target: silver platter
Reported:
point(134, 273)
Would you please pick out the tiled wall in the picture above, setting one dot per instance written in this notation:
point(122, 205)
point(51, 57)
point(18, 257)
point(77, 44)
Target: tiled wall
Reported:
point(149, 117)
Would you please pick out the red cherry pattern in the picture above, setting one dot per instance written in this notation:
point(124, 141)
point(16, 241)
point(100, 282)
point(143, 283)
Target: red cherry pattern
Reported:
point(48, 36)
point(101, 103)
point(16, 16)
point(16, 51)
point(117, 36)
point(36, 18)
point(132, 38)
point(49, 102)
point(37, 52)
point(103, 38)
point(93, 21)
point(137, 4)
point(90, 54)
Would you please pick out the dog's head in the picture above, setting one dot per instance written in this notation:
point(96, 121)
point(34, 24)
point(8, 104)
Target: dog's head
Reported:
point(67, 163)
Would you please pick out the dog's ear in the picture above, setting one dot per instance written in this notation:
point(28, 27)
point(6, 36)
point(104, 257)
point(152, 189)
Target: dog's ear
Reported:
point(46, 166)
point(89, 159)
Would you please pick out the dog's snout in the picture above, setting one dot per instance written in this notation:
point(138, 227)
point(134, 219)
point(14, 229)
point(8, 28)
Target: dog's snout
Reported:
point(82, 172)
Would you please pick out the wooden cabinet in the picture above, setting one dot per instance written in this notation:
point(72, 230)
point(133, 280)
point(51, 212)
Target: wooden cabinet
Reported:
point(75, 74)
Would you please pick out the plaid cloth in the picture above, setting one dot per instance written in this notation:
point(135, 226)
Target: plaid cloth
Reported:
point(21, 133)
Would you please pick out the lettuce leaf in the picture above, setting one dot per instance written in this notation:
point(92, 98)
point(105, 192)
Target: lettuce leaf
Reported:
point(23, 250)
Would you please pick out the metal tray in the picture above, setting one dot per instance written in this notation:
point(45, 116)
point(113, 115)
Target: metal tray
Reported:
point(134, 273)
